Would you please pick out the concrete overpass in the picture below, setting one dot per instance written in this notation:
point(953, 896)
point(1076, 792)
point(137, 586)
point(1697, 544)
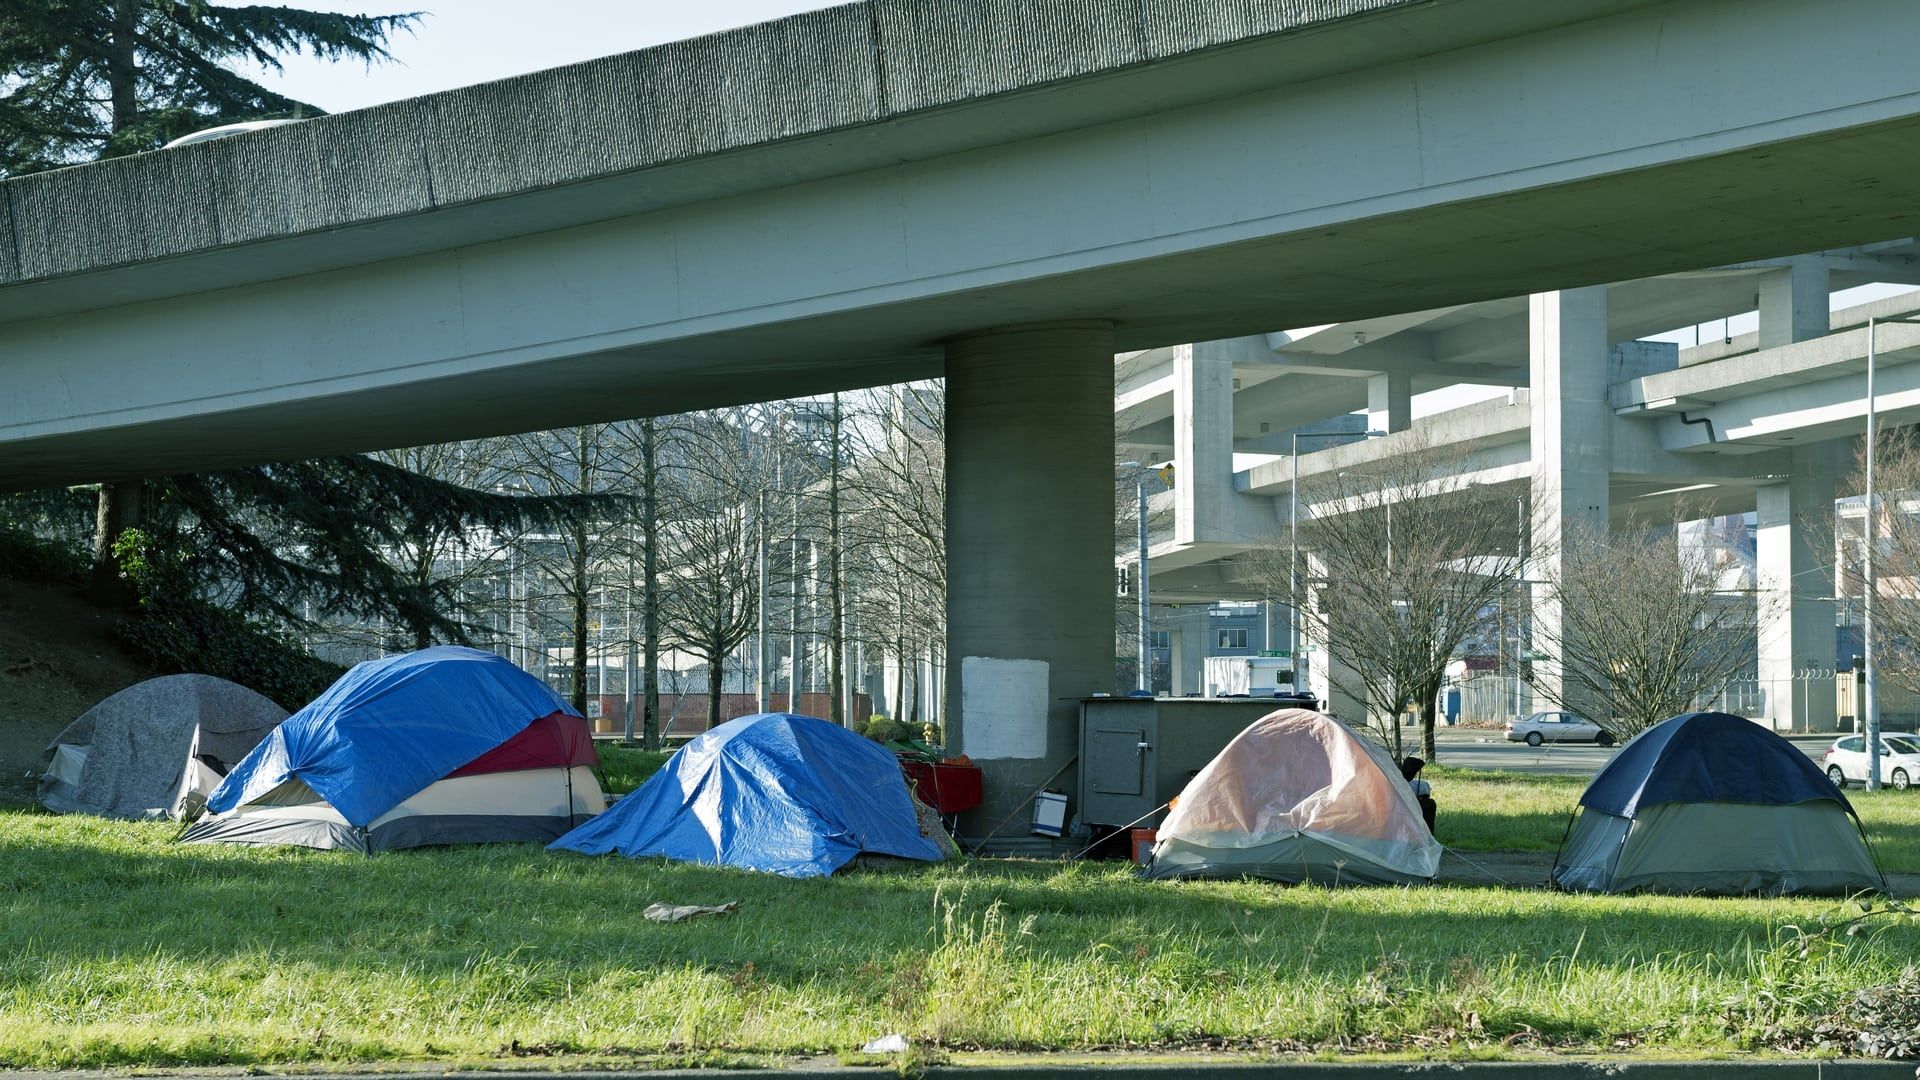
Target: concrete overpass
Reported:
point(874, 192)
point(1749, 422)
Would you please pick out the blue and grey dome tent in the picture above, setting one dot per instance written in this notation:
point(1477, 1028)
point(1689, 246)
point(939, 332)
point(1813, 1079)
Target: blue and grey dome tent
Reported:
point(1713, 803)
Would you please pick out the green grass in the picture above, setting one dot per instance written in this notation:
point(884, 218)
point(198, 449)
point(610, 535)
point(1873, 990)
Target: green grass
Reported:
point(120, 948)
point(624, 768)
point(1484, 810)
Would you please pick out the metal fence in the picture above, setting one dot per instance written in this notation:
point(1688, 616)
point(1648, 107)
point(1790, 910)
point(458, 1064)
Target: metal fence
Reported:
point(1486, 699)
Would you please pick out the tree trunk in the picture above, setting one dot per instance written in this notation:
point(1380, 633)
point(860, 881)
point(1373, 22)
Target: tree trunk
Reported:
point(716, 676)
point(577, 524)
point(898, 706)
point(1429, 710)
point(123, 71)
point(121, 505)
point(650, 604)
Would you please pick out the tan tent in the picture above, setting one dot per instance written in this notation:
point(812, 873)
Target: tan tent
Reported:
point(1295, 797)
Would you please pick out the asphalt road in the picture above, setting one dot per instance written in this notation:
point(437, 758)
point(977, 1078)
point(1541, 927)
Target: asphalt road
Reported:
point(1478, 749)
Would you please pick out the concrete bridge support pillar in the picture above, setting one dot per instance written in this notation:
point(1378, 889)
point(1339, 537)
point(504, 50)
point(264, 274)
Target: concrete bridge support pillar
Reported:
point(1794, 521)
point(1389, 401)
point(1030, 627)
point(1329, 676)
point(1568, 360)
point(1793, 304)
point(1202, 437)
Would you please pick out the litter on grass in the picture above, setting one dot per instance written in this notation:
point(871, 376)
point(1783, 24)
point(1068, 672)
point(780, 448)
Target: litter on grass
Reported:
point(661, 912)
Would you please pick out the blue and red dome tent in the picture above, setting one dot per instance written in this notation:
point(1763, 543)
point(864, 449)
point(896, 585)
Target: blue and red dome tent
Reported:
point(442, 746)
point(777, 792)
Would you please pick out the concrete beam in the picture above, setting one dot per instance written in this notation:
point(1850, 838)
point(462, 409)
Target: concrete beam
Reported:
point(1078, 175)
point(1793, 303)
point(1389, 401)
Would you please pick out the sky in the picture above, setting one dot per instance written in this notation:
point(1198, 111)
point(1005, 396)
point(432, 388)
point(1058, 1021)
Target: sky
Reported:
point(461, 42)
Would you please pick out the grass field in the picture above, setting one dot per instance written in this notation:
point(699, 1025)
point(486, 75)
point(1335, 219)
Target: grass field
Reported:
point(120, 948)
point(623, 768)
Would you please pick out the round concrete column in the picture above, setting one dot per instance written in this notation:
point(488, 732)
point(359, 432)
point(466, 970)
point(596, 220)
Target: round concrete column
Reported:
point(1030, 607)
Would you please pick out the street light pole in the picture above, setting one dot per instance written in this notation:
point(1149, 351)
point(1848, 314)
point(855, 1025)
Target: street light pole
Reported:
point(1519, 588)
point(1870, 704)
point(762, 685)
point(1145, 680)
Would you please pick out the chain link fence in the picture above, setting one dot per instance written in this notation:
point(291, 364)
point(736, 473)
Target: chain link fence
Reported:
point(1495, 699)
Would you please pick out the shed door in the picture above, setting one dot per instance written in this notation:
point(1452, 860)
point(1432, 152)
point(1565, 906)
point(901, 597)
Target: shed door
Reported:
point(1115, 759)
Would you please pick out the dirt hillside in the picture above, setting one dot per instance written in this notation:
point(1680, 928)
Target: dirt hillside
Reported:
point(58, 658)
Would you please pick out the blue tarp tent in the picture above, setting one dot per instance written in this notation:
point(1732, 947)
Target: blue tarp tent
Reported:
point(390, 727)
point(1713, 803)
point(777, 792)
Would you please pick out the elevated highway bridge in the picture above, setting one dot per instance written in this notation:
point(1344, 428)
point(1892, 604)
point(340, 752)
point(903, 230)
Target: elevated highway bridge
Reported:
point(1003, 194)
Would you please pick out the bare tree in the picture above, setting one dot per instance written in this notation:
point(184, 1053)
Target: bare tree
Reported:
point(1409, 564)
point(447, 554)
point(895, 489)
point(708, 600)
point(571, 559)
point(1646, 626)
point(1894, 521)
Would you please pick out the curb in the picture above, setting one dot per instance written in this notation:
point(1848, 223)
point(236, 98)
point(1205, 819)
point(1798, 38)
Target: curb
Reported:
point(1580, 1069)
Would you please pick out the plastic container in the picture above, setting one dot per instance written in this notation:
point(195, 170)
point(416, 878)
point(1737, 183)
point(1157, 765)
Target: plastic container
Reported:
point(1050, 814)
point(950, 789)
point(1143, 840)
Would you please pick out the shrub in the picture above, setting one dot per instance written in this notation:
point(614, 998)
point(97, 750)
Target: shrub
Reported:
point(190, 636)
point(29, 558)
point(880, 729)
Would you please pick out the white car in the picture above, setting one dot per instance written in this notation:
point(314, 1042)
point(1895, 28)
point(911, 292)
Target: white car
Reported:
point(1846, 759)
point(1546, 727)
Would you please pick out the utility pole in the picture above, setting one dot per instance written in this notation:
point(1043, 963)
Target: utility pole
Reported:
point(1146, 618)
point(761, 687)
point(650, 599)
point(1871, 703)
point(793, 612)
point(836, 615)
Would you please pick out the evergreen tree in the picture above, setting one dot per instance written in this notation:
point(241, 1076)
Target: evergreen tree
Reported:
point(297, 541)
point(87, 79)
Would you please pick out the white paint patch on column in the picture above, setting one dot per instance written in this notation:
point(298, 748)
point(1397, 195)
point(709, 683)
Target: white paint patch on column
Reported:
point(1005, 703)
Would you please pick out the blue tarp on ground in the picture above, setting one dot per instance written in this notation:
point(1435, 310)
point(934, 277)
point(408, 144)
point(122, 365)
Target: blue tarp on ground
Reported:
point(390, 727)
point(1707, 757)
point(777, 792)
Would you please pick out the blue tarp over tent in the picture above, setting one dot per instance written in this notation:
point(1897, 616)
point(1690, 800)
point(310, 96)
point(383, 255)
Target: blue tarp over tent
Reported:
point(777, 792)
point(1707, 757)
point(390, 727)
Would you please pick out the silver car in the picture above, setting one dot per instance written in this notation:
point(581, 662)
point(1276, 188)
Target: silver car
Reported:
point(1846, 759)
point(1546, 727)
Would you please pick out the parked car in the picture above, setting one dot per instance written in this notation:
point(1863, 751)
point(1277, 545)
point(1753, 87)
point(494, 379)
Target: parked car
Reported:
point(1846, 759)
point(1546, 727)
